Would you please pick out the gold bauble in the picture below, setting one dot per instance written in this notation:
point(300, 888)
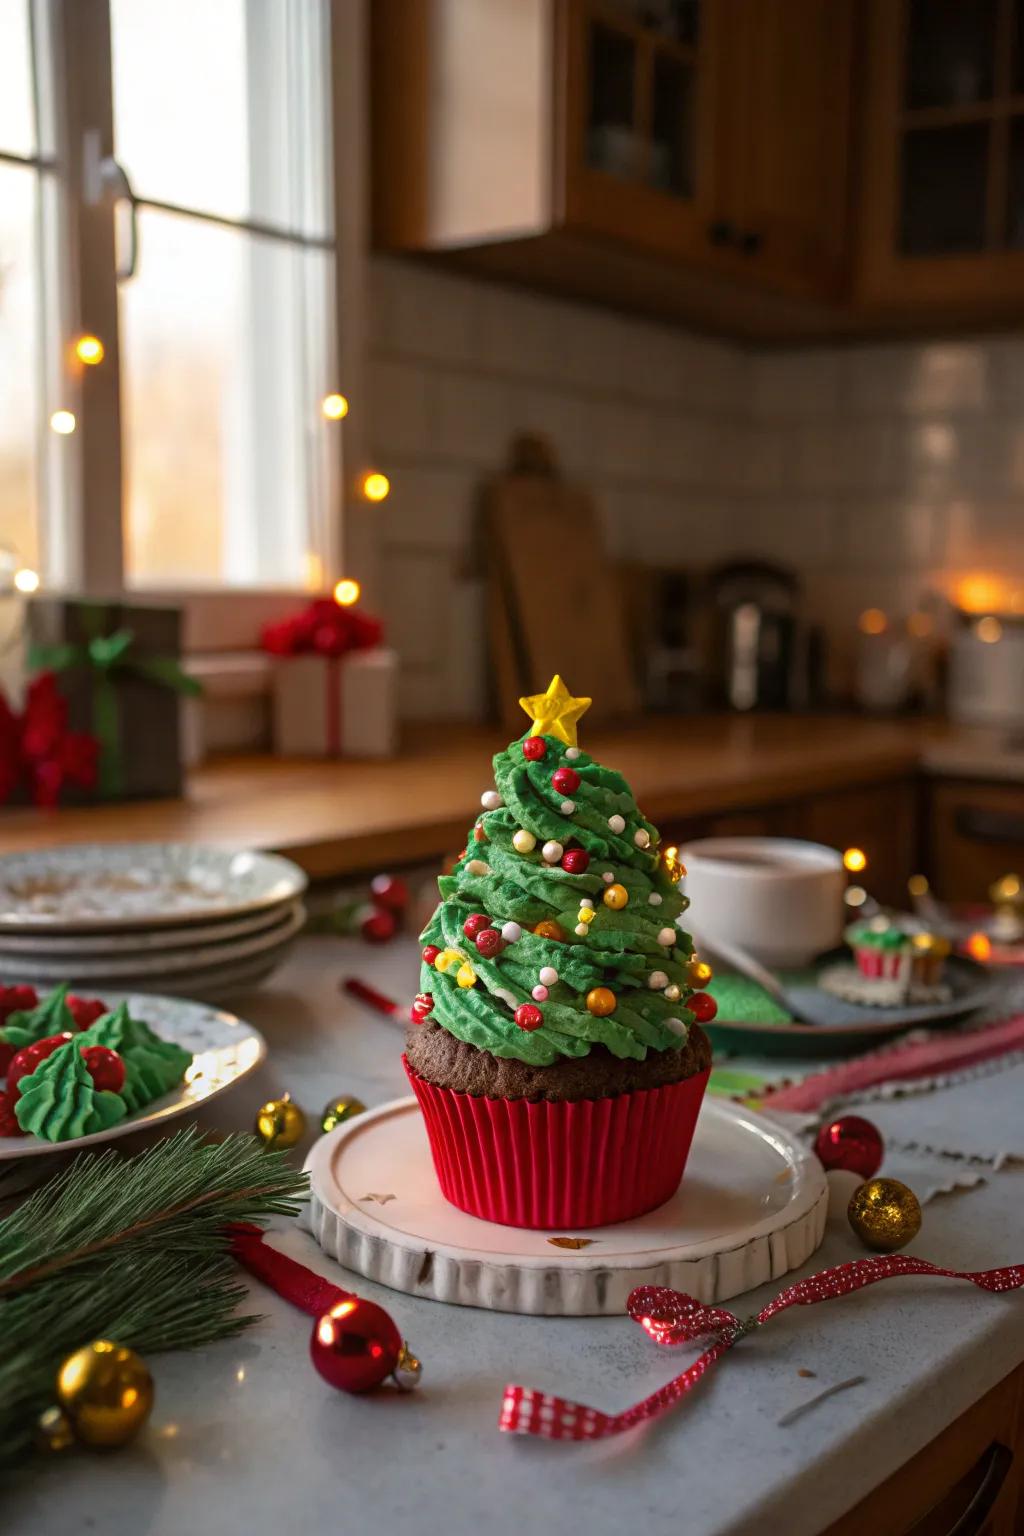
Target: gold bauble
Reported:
point(699, 973)
point(54, 1430)
point(547, 928)
point(280, 1123)
point(107, 1393)
point(616, 897)
point(884, 1214)
point(345, 1107)
point(601, 1001)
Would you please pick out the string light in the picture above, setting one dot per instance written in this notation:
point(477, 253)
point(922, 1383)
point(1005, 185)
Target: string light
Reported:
point(917, 885)
point(375, 485)
point(855, 859)
point(855, 896)
point(26, 580)
point(989, 629)
point(334, 407)
point(979, 947)
point(347, 592)
point(63, 423)
point(872, 622)
point(90, 350)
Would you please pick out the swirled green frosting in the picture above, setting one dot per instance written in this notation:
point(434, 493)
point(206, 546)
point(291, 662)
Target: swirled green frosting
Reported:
point(151, 1066)
point(620, 949)
point(50, 1016)
point(58, 1100)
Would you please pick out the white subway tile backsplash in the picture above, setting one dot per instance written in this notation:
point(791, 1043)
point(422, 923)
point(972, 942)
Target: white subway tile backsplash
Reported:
point(431, 506)
point(795, 384)
point(472, 417)
point(906, 535)
point(399, 417)
point(917, 378)
point(520, 335)
point(563, 418)
point(416, 311)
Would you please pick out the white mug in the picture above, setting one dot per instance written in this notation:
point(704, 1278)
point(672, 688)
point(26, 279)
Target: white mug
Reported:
point(778, 898)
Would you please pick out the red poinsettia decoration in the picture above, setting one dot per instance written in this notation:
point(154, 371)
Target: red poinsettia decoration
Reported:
point(38, 752)
point(323, 629)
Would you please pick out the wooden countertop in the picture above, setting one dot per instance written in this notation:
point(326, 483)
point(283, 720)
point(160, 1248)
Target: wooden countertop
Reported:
point(338, 818)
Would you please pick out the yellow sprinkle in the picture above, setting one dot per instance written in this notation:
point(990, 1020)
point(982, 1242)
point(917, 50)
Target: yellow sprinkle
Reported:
point(446, 959)
point(466, 976)
point(586, 915)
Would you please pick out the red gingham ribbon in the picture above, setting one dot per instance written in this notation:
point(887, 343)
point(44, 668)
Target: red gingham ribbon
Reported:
point(670, 1317)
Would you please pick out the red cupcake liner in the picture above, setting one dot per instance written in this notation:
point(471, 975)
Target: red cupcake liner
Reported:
point(587, 1163)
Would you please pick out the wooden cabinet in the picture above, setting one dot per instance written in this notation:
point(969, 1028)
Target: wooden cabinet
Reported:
point(975, 835)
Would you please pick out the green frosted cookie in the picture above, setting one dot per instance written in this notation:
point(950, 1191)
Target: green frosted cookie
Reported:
point(59, 1102)
point(51, 1016)
point(152, 1066)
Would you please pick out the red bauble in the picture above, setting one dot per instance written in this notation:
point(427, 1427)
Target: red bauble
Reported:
point(104, 1066)
point(852, 1144)
point(422, 1006)
point(575, 860)
point(8, 1124)
point(16, 1000)
point(529, 1017)
point(489, 943)
point(534, 748)
point(475, 923)
point(389, 891)
point(85, 1010)
point(355, 1345)
point(26, 1060)
point(703, 1007)
point(7, 1053)
point(430, 953)
point(378, 926)
point(565, 780)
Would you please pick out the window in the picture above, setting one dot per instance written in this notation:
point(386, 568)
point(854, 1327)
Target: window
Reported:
point(168, 316)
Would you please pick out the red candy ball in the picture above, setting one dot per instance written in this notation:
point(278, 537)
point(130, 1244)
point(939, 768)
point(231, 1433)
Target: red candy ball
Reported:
point(534, 748)
point(565, 780)
point(575, 860)
point(850, 1143)
point(28, 1058)
point(8, 1124)
point(104, 1066)
point(703, 1007)
point(422, 1006)
point(430, 953)
point(475, 923)
point(389, 891)
point(19, 999)
point(378, 926)
point(529, 1017)
point(85, 1010)
point(355, 1345)
point(489, 943)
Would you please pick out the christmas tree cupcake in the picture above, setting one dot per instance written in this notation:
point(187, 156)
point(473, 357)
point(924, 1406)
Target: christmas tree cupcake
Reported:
point(555, 1048)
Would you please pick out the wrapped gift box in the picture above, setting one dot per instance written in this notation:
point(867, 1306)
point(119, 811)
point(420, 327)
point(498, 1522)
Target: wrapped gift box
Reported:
point(336, 706)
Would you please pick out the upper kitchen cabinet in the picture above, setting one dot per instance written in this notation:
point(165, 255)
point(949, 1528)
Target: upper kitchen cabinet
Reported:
point(687, 158)
point(942, 191)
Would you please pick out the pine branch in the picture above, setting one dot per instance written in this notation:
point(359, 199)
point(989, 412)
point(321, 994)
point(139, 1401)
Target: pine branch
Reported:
point(127, 1248)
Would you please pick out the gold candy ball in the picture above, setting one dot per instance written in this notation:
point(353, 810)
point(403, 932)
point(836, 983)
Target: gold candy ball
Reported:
point(106, 1392)
point(345, 1107)
point(885, 1214)
point(601, 1001)
point(699, 972)
point(547, 928)
point(280, 1123)
point(615, 897)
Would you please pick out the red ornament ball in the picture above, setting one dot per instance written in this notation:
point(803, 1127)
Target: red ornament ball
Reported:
point(534, 748)
point(575, 860)
point(703, 1007)
point(421, 1008)
point(529, 1017)
point(104, 1066)
point(85, 1010)
point(489, 943)
point(25, 1061)
point(8, 1124)
point(565, 780)
point(19, 999)
point(430, 953)
point(852, 1144)
point(355, 1345)
point(389, 891)
point(475, 923)
point(378, 926)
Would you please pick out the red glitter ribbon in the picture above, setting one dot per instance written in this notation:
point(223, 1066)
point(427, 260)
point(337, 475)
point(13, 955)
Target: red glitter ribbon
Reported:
point(287, 1277)
point(671, 1317)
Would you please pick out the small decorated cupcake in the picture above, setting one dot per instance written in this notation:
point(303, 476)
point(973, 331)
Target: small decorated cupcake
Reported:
point(555, 1048)
point(896, 962)
point(881, 949)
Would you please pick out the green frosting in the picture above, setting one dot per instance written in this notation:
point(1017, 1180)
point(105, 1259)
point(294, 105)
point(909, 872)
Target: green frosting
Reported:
point(152, 1066)
point(867, 936)
point(620, 949)
point(51, 1016)
point(58, 1100)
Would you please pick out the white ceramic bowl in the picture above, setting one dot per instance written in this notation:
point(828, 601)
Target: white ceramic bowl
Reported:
point(778, 898)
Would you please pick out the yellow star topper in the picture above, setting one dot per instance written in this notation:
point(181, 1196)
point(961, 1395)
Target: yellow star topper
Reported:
point(555, 712)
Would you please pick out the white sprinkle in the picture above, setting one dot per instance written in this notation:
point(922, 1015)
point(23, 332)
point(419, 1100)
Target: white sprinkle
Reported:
point(654, 899)
point(523, 841)
point(507, 997)
point(677, 1027)
point(477, 867)
point(641, 838)
point(656, 980)
point(567, 807)
point(617, 823)
point(585, 901)
point(552, 852)
point(572, 753)
point(491, 800)
point(539, 994)
point(668, 936)
point(511, 932)
point(582, 929)
point(547, 975)
point(608, 876)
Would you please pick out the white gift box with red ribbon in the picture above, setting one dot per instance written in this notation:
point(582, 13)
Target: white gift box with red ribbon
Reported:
point(336, 706)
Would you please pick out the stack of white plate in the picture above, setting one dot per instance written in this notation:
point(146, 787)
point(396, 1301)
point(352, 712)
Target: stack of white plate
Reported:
point(188, 921)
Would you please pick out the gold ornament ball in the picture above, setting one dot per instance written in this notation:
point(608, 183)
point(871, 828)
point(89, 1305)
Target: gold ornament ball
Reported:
point(601, 1001)
point(547, 928)
point(673, 865)
point(106, 1392)
point(699, 972)
point(345, 1107)
point(54, 1430)
point(280, 1123)
point(615, 897)
point(884, 1214)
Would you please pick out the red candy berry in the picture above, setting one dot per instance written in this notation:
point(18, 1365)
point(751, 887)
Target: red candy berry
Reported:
point(430, 953)
point(8, 1124)
point(475, 923)
point(85, 1010)
point(104, 1066)
point(534, 748)
point(25, 1061)
point(16, 1000)
point(489, 943)
point(575, 860)
point(378, 926)
point(389, 891)
point(565, 780)
point(703, 1007)
point(422, 1006)
point(528, 1016)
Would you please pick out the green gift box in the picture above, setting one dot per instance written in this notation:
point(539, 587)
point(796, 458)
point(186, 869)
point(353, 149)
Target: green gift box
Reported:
point(118, 666)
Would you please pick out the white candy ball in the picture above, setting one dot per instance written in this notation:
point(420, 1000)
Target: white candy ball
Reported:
point(582, 930)
point(572, 753)
point(677, 1027)
point(478, 867)
point(585, 901)
point(567, 807)
point(523, 841)
point(668, 936)
point(608, 876)
point(552, 852)
point(656, 980)
point(654, 899)
point(539, 994)
point(547, 975)
point(511, 932)
point(491, 800)
point(617, 823)
point(642, 838)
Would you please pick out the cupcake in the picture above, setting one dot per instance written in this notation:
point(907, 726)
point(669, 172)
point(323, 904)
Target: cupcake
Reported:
point(554, 1049)
point(898, 961)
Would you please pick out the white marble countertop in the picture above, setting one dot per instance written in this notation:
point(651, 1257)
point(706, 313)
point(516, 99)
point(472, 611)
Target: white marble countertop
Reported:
point(246, 1439)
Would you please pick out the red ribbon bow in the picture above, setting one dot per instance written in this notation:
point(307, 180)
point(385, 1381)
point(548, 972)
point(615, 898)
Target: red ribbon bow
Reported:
point(38, 750)
point(322, 629)
point(671, 1317)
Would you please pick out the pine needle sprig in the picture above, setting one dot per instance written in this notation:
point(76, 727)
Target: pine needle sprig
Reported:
point(127, 1248)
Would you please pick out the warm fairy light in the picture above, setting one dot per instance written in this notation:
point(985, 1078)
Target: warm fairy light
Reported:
point(334, 407)
point(375, 485)
point(872, 622)
point(855, 859)
point(919, 625)
point(979, 593)
point(26, 580)
point(347, 592)
point(63, 423)
point(917, 885)
point(89, 350)
point(979, 947)
point(989, 629)
point(855, 896)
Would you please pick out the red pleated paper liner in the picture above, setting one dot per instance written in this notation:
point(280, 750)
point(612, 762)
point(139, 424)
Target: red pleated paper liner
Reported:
point(582, 1164)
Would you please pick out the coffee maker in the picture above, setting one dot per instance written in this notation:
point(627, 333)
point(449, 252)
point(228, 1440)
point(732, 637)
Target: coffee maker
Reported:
point(767, 659)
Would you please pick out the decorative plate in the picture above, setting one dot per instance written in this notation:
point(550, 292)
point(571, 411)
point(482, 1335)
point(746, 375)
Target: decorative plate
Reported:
point(104, 886)
point(80, 946)
point(751, 1207)
point(225, 1049)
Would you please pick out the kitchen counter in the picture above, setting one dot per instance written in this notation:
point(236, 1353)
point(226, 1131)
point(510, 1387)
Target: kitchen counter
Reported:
point(246, 1440)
